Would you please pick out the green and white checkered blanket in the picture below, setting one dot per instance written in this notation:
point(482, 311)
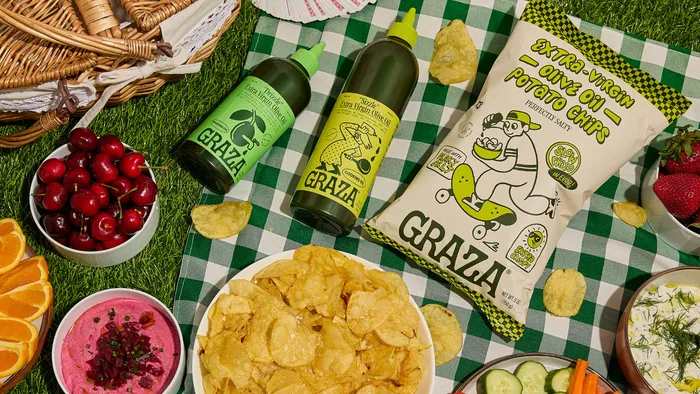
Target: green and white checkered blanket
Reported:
point(614, 257)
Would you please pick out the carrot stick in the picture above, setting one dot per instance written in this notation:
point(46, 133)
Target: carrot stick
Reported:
point(600, 390)
point(590, 384)
point(576, 385)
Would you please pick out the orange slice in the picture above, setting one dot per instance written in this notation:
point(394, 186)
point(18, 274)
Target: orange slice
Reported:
point(12, 247)
point(33, 269)
point(27, 302)
point(9, 225)
point(13, 356)
point(18, 330)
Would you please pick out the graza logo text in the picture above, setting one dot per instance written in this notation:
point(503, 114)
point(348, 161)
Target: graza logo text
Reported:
point(425, 234)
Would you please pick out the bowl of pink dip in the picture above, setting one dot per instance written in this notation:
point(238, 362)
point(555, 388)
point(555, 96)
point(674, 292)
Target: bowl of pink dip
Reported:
point(119, 340)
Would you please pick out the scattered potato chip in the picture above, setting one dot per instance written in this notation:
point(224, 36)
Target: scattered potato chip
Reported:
point(319, 323)
point(630, 213)
point(292, 345)
point(445, 331)
point(454, 58)
point(564, 292)
point(221, 220)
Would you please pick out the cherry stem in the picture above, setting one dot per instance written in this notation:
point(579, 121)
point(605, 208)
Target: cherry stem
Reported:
point(164, 168)
point(39, 195)
point(108, 186)
point(129, 192)
point(119, 202)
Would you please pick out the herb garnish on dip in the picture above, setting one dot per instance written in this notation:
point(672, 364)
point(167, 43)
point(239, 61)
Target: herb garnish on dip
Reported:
point(122, 345)
point(664, 336)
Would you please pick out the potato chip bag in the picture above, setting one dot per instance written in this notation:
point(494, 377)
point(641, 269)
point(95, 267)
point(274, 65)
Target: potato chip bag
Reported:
point(559, 113)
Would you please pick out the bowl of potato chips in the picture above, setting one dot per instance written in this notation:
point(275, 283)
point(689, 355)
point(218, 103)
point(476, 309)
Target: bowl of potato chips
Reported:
point(314, 320)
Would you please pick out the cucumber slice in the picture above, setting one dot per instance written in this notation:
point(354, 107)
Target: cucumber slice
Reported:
point(499, 381)
point(532, 376)
point(558, 380)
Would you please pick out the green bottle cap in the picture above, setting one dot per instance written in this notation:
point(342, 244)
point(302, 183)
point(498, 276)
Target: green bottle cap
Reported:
point(404, 29)
point(308, 58)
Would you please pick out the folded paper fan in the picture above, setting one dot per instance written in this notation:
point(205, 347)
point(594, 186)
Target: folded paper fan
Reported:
point(310, 10)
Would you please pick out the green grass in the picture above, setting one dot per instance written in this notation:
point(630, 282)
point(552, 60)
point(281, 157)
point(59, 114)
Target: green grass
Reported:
point(158, 122)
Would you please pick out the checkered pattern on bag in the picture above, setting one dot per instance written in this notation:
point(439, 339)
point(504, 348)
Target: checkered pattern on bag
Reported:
point(614, 257)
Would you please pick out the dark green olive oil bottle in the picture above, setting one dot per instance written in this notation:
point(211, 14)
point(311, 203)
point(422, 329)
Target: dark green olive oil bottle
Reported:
point(246, 124)
point(356, 137)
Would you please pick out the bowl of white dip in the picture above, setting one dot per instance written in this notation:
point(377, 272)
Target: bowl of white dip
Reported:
point(658, 337)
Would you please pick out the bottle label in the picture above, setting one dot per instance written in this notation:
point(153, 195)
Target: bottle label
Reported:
point(350, 150)
point(244, 126)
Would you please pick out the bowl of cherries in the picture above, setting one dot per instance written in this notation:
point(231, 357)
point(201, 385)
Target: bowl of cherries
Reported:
point(95, 200)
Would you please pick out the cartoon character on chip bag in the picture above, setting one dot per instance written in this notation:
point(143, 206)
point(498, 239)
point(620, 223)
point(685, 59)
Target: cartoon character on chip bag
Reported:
point(515, 167)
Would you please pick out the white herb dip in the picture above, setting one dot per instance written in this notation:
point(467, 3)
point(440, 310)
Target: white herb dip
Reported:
point(662, 325)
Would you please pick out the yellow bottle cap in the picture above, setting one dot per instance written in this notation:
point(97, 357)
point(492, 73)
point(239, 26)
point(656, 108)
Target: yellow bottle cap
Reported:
point(404, 29)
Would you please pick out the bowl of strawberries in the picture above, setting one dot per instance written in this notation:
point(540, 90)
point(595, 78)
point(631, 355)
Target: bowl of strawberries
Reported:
point(671, 192)
point(95, 200)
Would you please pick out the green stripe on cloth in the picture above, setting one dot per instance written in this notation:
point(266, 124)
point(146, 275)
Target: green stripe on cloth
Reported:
point(614, 257)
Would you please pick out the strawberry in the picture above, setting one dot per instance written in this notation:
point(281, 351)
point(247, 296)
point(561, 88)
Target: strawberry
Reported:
point(682, 152)
point(680, 193)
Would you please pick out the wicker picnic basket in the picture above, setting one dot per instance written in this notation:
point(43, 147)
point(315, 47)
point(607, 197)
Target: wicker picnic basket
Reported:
point(71, 40)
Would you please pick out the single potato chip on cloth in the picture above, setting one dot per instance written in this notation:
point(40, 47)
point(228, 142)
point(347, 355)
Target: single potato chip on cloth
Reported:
point(445, 331)
point(454, 58)
point(630, 213)
point(564, 292)
point(221, 220)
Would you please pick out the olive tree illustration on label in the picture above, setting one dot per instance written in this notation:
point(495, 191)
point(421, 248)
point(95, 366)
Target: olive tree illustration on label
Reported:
point(528, 246)
point(243, 134)
point(564, 159)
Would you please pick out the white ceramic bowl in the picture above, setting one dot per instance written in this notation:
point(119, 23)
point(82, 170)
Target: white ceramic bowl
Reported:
point(106, 295)
point(667, 227)
point(426, 385)
point(103, 258)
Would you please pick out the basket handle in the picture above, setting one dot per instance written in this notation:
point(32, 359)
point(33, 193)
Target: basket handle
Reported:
point(112, 47)
point(67, 104)
point(99, 18)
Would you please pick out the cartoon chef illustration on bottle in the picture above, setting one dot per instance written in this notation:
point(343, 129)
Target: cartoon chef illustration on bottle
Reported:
point(514, 166)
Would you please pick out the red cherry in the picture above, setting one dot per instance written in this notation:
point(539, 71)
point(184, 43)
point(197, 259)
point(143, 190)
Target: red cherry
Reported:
point(78, 159)
point(39, 193)
point(99, 246)
point(113, 210)
point(121, 189)
point(83, 139)
point(62, 241)
point(56, 225)
point(78, 220)
point(131, 165)
point(116, 240)
point(103, 169)
point(76, 179)
point(112, 146)
point(102, 193)
point(103, 226)
point(52, 170)
point(81, 241)
point(143, 211)
point(85, 202)
point(55, 197)
point(131, 222)
point(145, 194)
